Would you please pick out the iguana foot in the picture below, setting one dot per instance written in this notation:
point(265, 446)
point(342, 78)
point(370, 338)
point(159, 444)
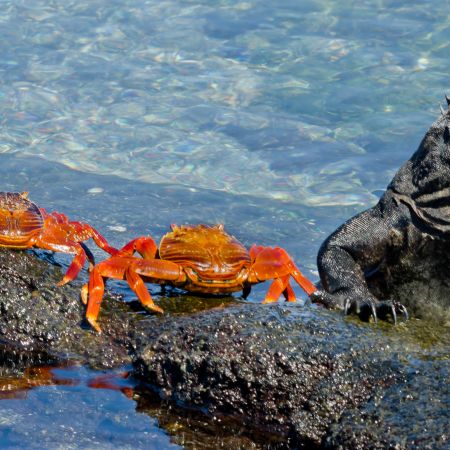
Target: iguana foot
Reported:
point(366, 309)
point(391, 308)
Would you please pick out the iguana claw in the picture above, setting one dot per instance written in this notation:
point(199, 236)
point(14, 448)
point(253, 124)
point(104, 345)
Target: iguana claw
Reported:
point(394, 314)
point(365, 309)
point(373, 311)
point(403, 310)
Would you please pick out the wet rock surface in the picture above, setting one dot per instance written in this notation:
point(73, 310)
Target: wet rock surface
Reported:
point(279, 376)
point(41, 323)
point(309, 375)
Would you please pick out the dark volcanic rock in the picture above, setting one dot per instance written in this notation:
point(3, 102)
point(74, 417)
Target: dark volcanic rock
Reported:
point(307, 374)
point(278, 376)
point(412, 414)
point(41, 322)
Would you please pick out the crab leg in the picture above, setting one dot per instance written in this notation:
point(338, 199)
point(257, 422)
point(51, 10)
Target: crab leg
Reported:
point(61, 235)
point(157, 270)
point(68, 247)
point(154, 270)
point(92, 293)
point(96, 290)
point(138, 287)
point(89, 256)
point(144, 245)
point(275, 263)
point(127, 268)
point(76, 231)
point(74, 269)
point(289, 293)
point(280, 286)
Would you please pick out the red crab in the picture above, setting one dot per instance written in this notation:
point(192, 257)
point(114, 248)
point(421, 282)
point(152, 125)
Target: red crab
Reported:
point(24, 225)
point(197, 258)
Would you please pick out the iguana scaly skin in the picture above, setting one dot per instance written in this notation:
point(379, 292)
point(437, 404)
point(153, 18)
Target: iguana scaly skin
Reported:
point(398, 248)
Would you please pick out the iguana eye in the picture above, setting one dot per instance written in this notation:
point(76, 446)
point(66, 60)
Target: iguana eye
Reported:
point(446, 135)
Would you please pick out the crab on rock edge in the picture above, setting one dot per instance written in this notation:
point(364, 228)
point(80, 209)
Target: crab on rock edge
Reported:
point(23, 225)
point(197, 258)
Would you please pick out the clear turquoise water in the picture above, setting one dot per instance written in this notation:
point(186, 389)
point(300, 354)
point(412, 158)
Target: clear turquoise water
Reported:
point(279, 119)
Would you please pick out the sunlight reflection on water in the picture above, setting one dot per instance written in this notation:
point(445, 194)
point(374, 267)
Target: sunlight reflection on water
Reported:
point(242, 97)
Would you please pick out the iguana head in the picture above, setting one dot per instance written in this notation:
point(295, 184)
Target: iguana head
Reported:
point(423, 182)
point(437, 138)
point(440, 128)
point(443, 112)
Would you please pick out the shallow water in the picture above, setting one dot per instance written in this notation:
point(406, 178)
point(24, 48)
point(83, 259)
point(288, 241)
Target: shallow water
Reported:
point(279, 121)
point(64, 410)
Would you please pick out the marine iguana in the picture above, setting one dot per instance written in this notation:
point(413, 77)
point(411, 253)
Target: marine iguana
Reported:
point(400, 248)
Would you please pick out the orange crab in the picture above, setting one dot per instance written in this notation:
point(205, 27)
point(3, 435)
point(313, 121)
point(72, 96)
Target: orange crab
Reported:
point(24, 225)
point(197, 258)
